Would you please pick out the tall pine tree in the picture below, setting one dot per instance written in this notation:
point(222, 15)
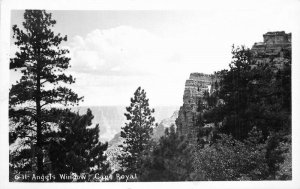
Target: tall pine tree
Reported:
point(137, 132)
point(41, 61)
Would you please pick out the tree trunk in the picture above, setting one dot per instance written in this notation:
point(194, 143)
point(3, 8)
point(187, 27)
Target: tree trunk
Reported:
point(39, 145)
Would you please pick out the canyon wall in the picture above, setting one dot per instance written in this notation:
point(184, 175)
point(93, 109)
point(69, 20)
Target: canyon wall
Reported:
point(187, 122)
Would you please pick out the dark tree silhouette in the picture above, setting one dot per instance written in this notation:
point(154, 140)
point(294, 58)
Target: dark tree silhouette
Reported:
point(80, 151)
point(41, 62)
point(137, 132)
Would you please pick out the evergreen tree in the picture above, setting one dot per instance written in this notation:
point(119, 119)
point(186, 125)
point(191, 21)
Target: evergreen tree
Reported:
point(169, 160)
point(80, 151)
point(40, 61)
point(137, 132)
point(235, 91)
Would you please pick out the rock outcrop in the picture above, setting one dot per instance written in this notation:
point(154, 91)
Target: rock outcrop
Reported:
point(193, 104)
point(274, 43)
point(275, 48)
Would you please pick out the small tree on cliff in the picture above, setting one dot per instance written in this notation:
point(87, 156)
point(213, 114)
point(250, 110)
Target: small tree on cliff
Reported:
point(41, 62)
point(137, 132)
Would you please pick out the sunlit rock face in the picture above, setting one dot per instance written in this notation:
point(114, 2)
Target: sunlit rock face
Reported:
point(273, 44)
point(193, 103)
point(275, 48)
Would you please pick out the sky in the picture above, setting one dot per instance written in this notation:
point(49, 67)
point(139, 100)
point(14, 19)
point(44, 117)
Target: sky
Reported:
point(113, 52)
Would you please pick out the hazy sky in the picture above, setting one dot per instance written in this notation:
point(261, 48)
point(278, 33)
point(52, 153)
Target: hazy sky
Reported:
point(114, 52)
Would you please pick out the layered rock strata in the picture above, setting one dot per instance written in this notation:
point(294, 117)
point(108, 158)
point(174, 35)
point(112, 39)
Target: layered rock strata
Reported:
point(195, 87)
point(276, 48)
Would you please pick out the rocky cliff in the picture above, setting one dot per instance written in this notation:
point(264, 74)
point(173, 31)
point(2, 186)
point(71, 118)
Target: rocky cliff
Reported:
point(275, 48)
point(193, 104)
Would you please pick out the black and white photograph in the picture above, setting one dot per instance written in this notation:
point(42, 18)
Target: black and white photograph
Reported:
point(197, 94)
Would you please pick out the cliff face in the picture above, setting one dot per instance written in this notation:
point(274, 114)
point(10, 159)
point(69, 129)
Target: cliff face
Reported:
point(195, 87)
point(275, 48)
point(274, 43)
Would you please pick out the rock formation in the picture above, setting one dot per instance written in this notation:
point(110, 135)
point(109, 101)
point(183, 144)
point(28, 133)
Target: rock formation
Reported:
point(193, 103)
point(274, 43)
point(276, 48)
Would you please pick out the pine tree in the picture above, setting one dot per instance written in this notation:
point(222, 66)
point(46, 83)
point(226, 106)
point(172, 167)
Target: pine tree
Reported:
point(40, 61)
point(235, 91)
point(80, 151)
point(169, 160)
point(137, 132)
